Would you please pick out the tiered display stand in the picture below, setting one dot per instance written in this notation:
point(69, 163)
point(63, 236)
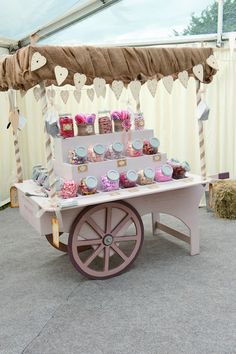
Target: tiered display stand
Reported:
point(105, 230)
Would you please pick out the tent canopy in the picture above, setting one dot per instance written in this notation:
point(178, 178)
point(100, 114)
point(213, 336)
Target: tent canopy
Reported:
point(125, 64)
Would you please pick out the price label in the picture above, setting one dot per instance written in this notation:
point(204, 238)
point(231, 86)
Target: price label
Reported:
point(157, 157)
point(82, 168)
point(121, 163)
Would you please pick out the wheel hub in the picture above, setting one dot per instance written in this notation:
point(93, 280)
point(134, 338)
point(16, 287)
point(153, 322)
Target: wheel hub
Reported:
point(107, 240)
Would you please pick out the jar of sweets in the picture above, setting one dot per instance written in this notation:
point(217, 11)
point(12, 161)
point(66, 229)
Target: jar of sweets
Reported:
point(146, 176)
point(66, 126)
point(150, 147)
point(135, 148)
point(110, 182)
point(96, 153)
point(114, 151)
point(78, 156)
point(164, 173)
point(88, 185)
point(128, 179)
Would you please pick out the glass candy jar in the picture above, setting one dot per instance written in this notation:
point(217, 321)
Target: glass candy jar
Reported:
point(66, 126)
point(138, 121)
point(179, 169)
point(110, 182)
point(114, 151)
point(150, 147)
point(42, 175)
point(104, 123)
point(96, 153)
point(78, 156)
point(164, 173)
point(135, 148)
point(69, 189)
point(36, 172)
point(128, 179)
point(88, 185)
point(146, 176)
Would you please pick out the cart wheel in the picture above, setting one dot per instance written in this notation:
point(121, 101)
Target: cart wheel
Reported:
point(114, 231)
point(62, 246)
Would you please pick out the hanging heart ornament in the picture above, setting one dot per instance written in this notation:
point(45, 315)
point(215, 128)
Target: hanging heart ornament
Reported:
point(90, 93)
point(198, 71)
point(99, 86)
point(152, 86)
point(183, 78)
point(64, 96)
point(37, 93)
point(79, 81)
point(211, 61)
point(37, 61)
point(135, 87)
point(168, 83)
point(61, 74)
point(117, 88)
point(77, 95)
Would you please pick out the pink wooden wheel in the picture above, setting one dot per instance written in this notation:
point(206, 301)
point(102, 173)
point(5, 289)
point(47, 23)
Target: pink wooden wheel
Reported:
point(114, 231)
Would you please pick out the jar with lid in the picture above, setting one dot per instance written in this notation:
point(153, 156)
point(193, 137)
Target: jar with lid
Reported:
point(138, 121)
point(128, 179)
point(69, 189)
point(135, 148)
point(88, 185)
point(150, 147)
point(104, 122)
point(43, 173)
point(66, 125)
point(110, 182)
point(146, 176)
point(179, 169)
point(36, 171)
point(164, 173)
point(114, 151)
point(96, 153)
point(78, 156)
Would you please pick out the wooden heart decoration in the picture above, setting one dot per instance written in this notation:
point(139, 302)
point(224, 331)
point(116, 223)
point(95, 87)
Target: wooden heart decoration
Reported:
point(14, 120)
point(152, 86)
point(117, 88)
point(211, 61)
point(61, 74)
point(51, 94)
point(79, 80)
point(90, 93)
point(37, 93)
point(37, 61)
point(135, 87)
point(64, 96)
point(183, 78)
point(99, 86)
point(77, 95)
point(168, 83)
point(198, 71)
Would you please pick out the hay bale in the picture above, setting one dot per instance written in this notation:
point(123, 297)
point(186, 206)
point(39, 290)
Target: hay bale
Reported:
point(224, 198)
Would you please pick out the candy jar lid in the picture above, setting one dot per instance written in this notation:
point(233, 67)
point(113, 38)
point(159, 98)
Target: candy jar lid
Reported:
point(81, 151)
point(91, 182)
point(137, 144)
point(175, 161)
point(167, 170)
point(149, 173)
point(154, 142)
point(117, 146)
point(186, 166)
point(132, 175)
point(113, 175)
point(99, 149)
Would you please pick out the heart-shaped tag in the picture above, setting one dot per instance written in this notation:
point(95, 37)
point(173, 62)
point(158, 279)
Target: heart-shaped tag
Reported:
point(152, 86)
point(90, 93)
point(64, 96)
point(183, 78)
point(117, 88)
point(77, 95)
point(61, 74)
point(168, 83)
point(37, 93)
point(79, 81)
point(135, 87)
point(211, 61)
point(51, 94)
point(198, 71)
point(14, 120)
point(99, 86)
point(37, 61)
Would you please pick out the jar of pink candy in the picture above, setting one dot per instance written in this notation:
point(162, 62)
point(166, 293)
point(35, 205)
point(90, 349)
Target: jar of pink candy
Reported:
point(114, 151)
point(138, 121)
point(96, 153)
point(146, 176)
point(122, 120)
point(69, 189)
point(128, 179)
point(66, 126)
point(110, 182)
point(164, 173)
point(85, 124)
point(135, 148)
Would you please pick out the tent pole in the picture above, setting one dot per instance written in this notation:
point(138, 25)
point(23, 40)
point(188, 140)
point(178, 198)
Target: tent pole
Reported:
point(201, 135)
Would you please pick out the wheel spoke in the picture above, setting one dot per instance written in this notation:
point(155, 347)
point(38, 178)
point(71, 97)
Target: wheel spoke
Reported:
point(95, 226)
point(125, 238)
point(97, 241)
point(94, 255)
point(119, 252)
point(106, 258)
point(108, 219)
point(121, 225)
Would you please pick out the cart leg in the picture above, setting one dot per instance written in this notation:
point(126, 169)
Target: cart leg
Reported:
point(155, 220)
point(194, 239)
